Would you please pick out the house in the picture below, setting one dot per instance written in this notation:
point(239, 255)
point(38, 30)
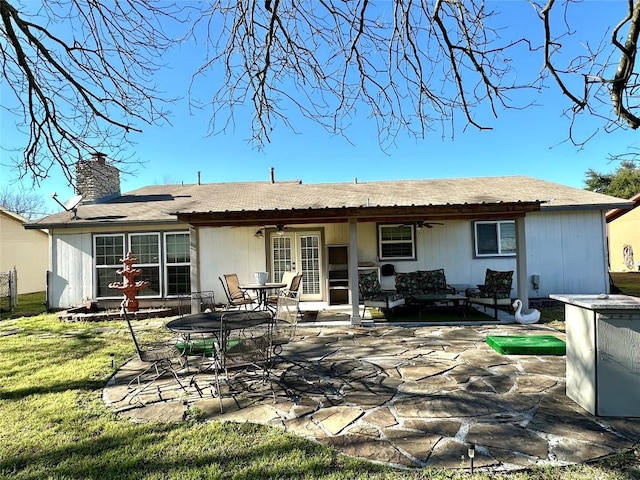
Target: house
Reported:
point(25, 250)
point(186, 236)
point(623, 230)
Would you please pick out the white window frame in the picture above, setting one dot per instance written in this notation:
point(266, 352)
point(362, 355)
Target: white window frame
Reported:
point(168, 264)
point(161, 265)
point(411, 241)
point(97, 267)
point(157, 265)
point(498, 224)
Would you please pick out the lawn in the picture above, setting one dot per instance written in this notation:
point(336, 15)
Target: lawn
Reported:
point(53, 424)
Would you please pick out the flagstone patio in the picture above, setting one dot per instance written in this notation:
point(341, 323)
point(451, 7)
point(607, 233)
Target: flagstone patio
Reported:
point(408, 397)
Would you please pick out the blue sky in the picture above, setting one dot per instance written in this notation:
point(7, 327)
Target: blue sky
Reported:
point(522, 142)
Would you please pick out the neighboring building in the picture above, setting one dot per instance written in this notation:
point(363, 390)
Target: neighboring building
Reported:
point(623, 229)
point(26, 250)
point(186, 236)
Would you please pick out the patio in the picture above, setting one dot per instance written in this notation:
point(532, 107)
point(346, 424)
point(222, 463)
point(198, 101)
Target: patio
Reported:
point(408, 397)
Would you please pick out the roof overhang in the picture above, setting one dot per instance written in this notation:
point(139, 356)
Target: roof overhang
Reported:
point(361, 214)
point(619, 211)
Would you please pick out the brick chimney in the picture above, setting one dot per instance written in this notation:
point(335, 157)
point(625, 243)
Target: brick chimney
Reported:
point(96, 181)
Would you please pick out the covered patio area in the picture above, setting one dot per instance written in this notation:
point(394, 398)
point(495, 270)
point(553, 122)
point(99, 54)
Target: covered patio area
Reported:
point(408, 397)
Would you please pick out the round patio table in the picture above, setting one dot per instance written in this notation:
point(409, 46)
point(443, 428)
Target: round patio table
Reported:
point(261, 291)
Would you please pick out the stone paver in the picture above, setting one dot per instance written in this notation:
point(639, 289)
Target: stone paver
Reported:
point(408, 397)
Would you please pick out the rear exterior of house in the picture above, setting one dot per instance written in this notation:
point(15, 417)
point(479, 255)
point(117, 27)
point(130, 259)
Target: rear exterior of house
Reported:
point(187, 236)
point(560, 254)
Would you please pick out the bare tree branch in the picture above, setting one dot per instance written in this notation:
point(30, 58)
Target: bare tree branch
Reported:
point(408, 66)
point(82, 89)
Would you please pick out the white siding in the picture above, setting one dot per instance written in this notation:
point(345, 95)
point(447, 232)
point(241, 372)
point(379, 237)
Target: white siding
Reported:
point(568, 251)
point(229, 250)
point(72, 267)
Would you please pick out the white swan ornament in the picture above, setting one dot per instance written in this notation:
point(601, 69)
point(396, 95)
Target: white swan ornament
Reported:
point(528, 316)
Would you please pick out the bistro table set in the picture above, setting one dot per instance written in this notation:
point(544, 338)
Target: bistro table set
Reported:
point(233, 343)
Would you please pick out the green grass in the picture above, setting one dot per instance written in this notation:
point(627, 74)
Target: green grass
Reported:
point(54, 425)
point(29, 304)
point(628, 282)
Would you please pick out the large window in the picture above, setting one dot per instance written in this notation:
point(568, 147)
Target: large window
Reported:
point(163, 259)
point(396, 242)
point(109, 252)
point(495, 238)
point(177, 261)
point(146, 248)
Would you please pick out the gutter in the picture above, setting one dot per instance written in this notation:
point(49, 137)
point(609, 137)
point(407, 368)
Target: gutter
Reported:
point(70, 225)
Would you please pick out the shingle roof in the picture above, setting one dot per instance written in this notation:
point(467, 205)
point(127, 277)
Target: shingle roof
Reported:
point(161, 203)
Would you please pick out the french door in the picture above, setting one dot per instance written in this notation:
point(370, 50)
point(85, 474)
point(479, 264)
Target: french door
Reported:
point(300, 252)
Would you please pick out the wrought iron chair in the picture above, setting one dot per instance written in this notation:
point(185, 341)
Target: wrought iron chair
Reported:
point(196, 302)
point(285, 320)
point(160, 361)
point(292, 289)
point(235, 295)
point(244, 349)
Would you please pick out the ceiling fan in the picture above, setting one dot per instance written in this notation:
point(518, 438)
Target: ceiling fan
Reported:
point(279, 229)
point(422, 224)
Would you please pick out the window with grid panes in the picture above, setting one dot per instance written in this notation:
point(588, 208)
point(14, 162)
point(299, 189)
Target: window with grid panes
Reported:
point(109, 252)
point(177, 263)
point(396, 242)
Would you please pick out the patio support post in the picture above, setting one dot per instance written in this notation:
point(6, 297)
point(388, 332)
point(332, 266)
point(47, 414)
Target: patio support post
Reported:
point(194, 263)
point(353, 272)
point(521, 262)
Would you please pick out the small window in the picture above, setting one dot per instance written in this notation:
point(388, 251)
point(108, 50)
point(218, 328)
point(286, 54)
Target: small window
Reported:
point(495, 238)
point(396, 242)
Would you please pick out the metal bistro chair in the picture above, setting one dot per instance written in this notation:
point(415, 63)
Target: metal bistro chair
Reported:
point(285, 321)
point(244, 348)
point(292, 289)
point(160, 361)
point(196, 302)
point(235, 295)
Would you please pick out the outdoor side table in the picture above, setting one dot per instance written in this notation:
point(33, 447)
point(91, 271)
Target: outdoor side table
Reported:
point(603, 359)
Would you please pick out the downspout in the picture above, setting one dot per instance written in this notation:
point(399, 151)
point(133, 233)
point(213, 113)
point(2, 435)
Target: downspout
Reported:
point(521, 262)
point(353, 272)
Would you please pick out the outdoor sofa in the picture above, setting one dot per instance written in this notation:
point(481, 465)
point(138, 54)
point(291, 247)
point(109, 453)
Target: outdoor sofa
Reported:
point(422, 282)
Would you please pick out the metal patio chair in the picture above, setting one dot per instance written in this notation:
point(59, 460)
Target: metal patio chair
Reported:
point(160, 361)
point(235, 295)
point(196, 302)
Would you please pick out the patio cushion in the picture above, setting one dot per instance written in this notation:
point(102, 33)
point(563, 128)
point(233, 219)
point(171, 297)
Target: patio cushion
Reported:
point(369, 285)
point(422, 282)
point(496, 285)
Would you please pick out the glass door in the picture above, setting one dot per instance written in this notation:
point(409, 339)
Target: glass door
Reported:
point(299, 252)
